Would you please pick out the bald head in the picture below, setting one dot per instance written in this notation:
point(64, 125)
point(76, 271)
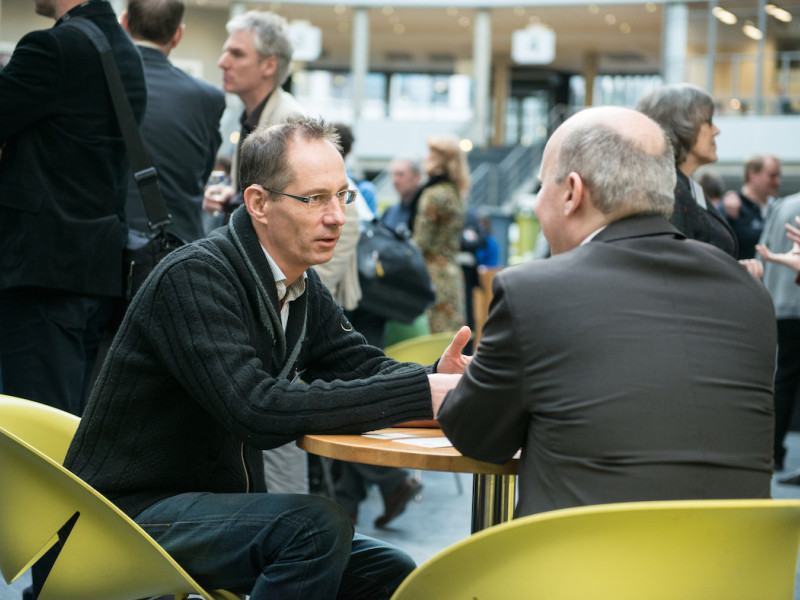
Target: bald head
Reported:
point(631, 125)
point(623, 157)
point(601, 165)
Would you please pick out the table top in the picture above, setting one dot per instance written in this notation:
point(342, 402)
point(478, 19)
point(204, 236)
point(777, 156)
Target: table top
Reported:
point(392, 453)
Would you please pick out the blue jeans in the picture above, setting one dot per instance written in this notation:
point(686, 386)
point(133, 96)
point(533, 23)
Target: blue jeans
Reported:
point(270, 546)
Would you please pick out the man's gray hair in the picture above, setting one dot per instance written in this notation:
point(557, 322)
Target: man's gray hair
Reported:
point(621, 176)
point(270, 35)
point(263, 158)
point(680, 109)
point(413, 163)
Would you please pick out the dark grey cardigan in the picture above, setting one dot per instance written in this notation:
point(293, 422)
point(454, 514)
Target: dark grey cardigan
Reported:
point(200, 375)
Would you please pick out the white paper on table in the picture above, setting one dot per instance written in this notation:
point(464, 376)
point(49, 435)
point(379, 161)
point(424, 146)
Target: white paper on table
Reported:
point(428, 442)
point(387, 436)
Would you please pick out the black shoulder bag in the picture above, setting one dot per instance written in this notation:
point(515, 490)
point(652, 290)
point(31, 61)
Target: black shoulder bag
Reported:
point(143, 250)
point(394, 279)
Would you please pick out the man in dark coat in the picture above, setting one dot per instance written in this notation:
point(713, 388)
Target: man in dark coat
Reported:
point(63, 182)
point(634, 364)
point(180, 130)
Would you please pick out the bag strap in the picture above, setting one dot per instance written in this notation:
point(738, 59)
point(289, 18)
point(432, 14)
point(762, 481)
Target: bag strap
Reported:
point(144, 173)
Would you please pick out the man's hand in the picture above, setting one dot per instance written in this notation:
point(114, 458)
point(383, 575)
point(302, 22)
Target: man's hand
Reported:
point(793, 233)
point(731, 204)
point(216, 197)
point(440, 385)
point(452, 361)
point(753, 266)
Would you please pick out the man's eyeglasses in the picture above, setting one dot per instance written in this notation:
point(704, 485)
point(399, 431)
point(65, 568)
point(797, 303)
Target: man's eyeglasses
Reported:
point(319, 200)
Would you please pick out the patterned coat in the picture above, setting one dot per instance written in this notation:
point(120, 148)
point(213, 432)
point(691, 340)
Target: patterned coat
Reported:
point(437, 231)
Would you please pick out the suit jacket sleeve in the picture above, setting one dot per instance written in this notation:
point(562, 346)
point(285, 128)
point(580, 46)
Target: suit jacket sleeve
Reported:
point(484, 415)
point(27, 83)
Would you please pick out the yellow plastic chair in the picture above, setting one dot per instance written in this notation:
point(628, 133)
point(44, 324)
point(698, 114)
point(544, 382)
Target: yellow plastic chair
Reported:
point(47, 429)
point(105, 555)
point(424, 349)
point(681, 550)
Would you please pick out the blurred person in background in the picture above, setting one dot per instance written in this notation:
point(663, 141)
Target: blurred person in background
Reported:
point(713, 188)
point(746, 209)
point(437, 222)
point(180, 130)
point(255, 62)
point(685, 112)
point(406, 177)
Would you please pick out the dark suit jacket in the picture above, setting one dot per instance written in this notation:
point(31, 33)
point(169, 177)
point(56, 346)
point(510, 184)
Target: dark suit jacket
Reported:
point(638, 366)
point(181, 135)
point(64, 167)
point(698, 223)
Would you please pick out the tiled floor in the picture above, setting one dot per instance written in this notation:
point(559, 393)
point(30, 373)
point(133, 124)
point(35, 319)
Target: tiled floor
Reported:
point(441, 516)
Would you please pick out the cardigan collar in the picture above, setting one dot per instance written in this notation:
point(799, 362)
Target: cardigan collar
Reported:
point(287, 344)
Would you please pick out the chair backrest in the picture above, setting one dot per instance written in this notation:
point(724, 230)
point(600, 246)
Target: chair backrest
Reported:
point(425, 349)
point(47, 429)
point(105, 555)
point(687, 550)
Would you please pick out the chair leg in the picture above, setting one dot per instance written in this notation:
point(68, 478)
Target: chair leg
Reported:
point(459, 487)
point(327, 477)
point(418, 477)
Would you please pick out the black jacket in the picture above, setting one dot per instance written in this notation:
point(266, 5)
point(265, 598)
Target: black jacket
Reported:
point(64, 167)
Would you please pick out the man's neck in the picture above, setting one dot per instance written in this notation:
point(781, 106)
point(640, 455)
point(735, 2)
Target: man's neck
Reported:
point(147, 44)
point(64, 6)
point(253, 98)
point(751, 195)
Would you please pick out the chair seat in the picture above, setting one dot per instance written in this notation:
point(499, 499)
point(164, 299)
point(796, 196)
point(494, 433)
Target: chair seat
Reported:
point(687, 550)
point(105, 555)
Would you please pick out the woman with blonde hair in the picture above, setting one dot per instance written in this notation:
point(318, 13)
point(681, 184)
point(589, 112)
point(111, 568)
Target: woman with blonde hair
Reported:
point(437, 218)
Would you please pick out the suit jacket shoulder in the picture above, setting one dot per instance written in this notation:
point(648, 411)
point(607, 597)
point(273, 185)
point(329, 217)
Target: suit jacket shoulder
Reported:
point(181, 135)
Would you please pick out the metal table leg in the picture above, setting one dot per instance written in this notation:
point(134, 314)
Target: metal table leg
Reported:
point(492, 500)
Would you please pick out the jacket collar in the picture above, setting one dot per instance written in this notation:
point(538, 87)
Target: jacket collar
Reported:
point(639, 225)
point(287, 344)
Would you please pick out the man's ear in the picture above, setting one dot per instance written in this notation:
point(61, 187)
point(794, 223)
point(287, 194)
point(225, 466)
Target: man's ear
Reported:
point(576, 190)
point(257, 203)
point(123, 20)
point(269, 66)
point(176, 39)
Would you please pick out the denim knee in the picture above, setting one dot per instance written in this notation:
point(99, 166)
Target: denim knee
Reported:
point(323, 523)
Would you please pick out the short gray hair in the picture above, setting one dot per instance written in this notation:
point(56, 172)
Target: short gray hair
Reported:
point(263, 158)
point(412, 162)
point(270, 35)
point(680, 109)
point(619, 174)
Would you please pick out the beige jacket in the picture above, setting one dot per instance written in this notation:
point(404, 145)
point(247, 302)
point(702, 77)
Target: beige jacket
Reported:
point(279, 107)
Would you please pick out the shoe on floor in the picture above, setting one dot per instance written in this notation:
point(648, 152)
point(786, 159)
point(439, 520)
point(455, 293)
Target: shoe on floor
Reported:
point(395, 503)
point(793, 479)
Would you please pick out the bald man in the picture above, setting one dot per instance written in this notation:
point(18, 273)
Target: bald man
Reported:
point(634, 364)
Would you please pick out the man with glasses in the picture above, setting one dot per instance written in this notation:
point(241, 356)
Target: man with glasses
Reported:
point(234, 345)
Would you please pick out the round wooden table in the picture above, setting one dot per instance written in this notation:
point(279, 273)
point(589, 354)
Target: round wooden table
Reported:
point(493, 486)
